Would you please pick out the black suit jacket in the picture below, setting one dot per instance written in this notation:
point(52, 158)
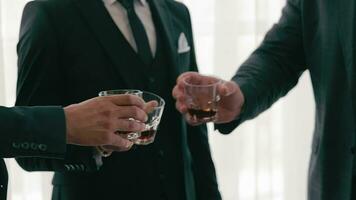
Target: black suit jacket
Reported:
point(24, 132)
point(69, 50)
point(318, 36)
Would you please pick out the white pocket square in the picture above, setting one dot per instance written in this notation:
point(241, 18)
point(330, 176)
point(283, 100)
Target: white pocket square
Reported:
point(183, 45)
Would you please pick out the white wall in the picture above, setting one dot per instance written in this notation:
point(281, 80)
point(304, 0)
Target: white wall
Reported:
point(2, 75)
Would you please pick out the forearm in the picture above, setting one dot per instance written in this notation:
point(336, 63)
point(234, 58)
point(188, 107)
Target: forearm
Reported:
point(41, 82)
point(263, 80)
point(77, 159)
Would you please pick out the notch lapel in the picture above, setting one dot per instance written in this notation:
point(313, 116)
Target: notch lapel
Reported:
point(112, 41)
point(165, 20)
point(347, 31)
point(346, 21)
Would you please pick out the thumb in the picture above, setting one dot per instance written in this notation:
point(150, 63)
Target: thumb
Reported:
point(150, 106)
point(120, 142)
point(226, 88)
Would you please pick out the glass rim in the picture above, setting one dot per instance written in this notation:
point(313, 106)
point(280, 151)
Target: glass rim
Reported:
point(112, 92)
point(162, 102)
point(218, 81)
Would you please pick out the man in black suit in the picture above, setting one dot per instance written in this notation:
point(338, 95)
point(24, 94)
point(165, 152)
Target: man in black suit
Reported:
point(318, 36)
point(25, 130)
point(80, 47)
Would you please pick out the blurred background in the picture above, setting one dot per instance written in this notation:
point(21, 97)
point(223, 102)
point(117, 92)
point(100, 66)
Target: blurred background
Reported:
point(264, 159)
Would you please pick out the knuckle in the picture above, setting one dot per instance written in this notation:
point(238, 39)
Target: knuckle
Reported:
point(106, 137)
point(130, 99)
point(137, 112)
point(108, 112)
point(131, 125)
point(103, 102)
point(106, 125)
point(174, 91)
point(104, 110)
point(177, 105)
point(109, 125)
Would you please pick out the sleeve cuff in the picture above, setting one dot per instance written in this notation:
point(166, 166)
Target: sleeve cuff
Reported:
point(246, 114)
point(51, 126)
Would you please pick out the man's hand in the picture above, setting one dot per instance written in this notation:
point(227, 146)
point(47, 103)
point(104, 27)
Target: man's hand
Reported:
point(229, 105)
point(148, 107)
point(95, 121)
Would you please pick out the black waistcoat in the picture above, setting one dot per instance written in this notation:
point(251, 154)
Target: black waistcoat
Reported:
point(154, 162)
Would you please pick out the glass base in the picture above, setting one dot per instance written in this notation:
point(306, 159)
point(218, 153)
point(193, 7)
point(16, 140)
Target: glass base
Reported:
point(146, 137)
point(143, 142)
point(129, 136)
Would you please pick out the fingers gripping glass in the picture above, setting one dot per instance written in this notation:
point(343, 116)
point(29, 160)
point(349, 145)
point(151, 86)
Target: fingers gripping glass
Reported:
point(201, 98)
point(154, 118)
point(124, 134)
point(154, 114)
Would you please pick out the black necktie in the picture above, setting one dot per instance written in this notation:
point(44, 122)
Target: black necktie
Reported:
point(139, 32)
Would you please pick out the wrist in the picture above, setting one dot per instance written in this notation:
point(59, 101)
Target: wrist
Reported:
point(69, 127)
point(103, 151)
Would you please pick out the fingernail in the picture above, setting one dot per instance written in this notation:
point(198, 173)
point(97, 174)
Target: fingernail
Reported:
point(143, 126)
point(129, 145)
point(144, 119)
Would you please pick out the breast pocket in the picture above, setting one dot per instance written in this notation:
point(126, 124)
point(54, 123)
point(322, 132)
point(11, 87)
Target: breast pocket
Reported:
point(184, 61)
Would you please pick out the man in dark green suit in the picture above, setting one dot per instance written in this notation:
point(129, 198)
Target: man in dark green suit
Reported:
point(318, 36)
point(80, 47)
point(25, 130)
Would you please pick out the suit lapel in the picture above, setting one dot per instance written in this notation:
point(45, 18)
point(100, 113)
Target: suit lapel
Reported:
point(347, 37)
point(165, 20)
point(112, 40)
point(346, 21)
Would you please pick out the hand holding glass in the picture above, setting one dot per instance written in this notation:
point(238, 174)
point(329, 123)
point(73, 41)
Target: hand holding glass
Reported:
point(154, 118)
point(201, 98)
point(124, 134)
point(154, 113)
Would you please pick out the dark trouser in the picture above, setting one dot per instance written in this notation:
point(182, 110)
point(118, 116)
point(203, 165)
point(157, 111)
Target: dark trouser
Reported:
point(353, 189)
point(71, 193)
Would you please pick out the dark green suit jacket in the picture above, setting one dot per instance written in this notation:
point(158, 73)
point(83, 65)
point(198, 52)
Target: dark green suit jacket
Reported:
point(69, 50)
point(318, 36)
point(24, 132)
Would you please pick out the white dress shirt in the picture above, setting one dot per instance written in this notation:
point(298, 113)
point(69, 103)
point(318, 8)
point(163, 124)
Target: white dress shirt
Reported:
point(119, 15)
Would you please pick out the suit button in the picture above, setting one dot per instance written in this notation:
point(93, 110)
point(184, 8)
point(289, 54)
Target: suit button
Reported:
point(42, 147)
point(161, 153)
point(152, 80)
point(34, 146)
point(353, 150)
point(25, 145)
point(1, 186)
point(15, 145)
